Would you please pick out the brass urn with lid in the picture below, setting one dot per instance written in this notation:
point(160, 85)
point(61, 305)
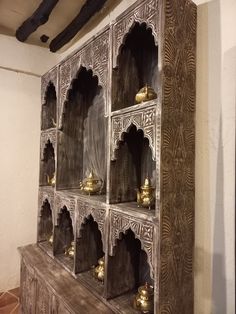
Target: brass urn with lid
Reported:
point(145, 94)
point(146, 197)
point(144, 299)
point(71, 250)
point(99, 270)
point(91, 184)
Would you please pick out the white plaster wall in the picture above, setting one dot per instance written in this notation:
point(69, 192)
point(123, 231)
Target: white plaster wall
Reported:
point(19, 150)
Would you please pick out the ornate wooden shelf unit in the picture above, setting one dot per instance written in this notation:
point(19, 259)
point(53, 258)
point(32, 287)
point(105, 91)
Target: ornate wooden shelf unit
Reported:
point(90, 122)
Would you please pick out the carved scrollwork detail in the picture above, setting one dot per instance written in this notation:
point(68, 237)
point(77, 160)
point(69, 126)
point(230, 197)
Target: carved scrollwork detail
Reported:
point(147, 12)
point(144, 231)
point(43, 299)
point(46, 193)
point(69, 203)
point(27, 289)
point(50, 77)
point(94, 56)
point(98, 214)
point(46, 136)
point(144, 120)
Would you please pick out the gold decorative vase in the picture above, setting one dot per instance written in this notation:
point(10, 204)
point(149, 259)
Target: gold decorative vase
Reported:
point(145, 94)
point(51, 181)
point(144, 300)
point(71, 250)
point(91, 184)
point(146, 197)
point(99, 271)
point(50, 240)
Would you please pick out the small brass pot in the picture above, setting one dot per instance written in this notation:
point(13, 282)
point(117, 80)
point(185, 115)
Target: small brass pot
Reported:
point(50, 240)
point(145, 94)
point(70, 252)
point(91, 185)
point(146, 197)
point(99, 271)
point(144, 299)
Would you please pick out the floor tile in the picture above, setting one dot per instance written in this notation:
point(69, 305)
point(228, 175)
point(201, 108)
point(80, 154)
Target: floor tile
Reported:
point(7, 299)
point(15, 291)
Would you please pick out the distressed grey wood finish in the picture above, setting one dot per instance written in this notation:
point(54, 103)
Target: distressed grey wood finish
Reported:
point(165, 234)
point(56, 290)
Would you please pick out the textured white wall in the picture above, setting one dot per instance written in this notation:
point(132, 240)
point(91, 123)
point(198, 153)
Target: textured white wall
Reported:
point(19, 150)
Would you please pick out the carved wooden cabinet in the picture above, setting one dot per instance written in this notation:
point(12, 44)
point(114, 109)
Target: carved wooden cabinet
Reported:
point(90, 122)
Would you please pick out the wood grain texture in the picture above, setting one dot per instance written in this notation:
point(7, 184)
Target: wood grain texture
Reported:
point(177, 158)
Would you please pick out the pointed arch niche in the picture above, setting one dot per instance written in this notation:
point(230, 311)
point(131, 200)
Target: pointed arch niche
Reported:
point(128, 268)
point(133, 163)
point(137, 65)
point(82, 138)
point(45, 230)
point(63, 237)
point(49, 108)
point(47, 164)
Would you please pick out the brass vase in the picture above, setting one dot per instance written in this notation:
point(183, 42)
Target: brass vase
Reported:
point(91, 184)
point(51, 181)
point(144, 299)
point(145, 94)
point(70, 252)
point(146, 197)
point(50, 240)
point(99, 270)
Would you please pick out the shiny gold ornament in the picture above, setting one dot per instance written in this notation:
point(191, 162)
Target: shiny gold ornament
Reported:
point(146, 197)
point(51, 181)
point(71, 250)
point(145, 94)
point(91, 185)
point(99, 271)
point(50, 240)
point(144, 300)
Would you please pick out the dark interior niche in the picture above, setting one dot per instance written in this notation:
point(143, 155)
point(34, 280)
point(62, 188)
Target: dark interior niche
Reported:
point(45, 223)
point(63, 233)
point(128, 268)
point(82, 138)
point(89, 246)
point(137, 66)
point(49, 108)
point(47, 165)
point(132, 165)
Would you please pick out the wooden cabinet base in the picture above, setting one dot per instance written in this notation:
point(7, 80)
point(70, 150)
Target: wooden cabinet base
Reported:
point(47, 288)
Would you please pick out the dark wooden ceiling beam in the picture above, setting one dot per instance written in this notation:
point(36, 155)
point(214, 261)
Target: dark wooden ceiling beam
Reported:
point(90, 8)
point(39, 17)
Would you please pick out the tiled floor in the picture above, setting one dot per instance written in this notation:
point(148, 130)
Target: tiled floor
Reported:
point(9, 302)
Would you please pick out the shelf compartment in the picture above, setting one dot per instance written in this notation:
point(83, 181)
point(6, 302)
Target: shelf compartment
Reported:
point(132, 209)
point(82, 137)
point(138, 58)
point(47, 156)
point(49, 108)
point(64, 230)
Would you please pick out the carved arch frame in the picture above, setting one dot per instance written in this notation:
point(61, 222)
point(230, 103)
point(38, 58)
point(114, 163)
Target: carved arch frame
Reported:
point(146, 12)
point(99, 215)
point(46, 193)
point(95, 57)
point(143, 231)
point(46, 136)
point(49, 77)
point(69, 203)
point(146, 120)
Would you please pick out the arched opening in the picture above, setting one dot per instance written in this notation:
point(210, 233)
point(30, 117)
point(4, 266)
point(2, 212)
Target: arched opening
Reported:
point(49, 108)
point(89, 246)
point(82, 140)
point(63, 237)
point(128, 269)
point(45, 230)
point(47, 167)
point(137, 66)
point(133, 164)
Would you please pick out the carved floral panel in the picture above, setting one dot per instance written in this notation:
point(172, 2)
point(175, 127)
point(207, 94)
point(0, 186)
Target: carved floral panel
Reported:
point(94, 56)
point(146, 120)
point(49, 77)
point(98, 214)
point(146, 12)
point(143, 230)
